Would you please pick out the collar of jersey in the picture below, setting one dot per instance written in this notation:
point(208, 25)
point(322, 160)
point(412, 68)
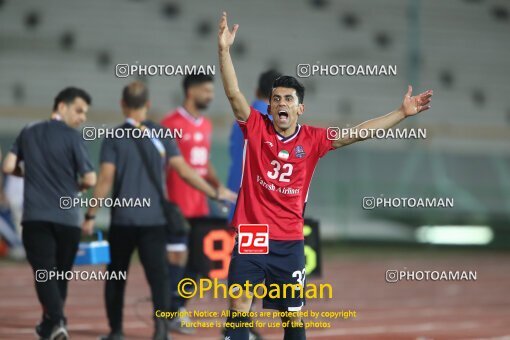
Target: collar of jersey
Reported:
point(196, 121)
point(133, 122)
point(284, 139)
point(57, 116)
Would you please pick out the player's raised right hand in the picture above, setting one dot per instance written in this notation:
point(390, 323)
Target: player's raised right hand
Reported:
point(225, 36)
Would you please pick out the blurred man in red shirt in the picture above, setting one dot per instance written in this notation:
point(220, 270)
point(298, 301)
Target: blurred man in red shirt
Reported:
point(195, 146)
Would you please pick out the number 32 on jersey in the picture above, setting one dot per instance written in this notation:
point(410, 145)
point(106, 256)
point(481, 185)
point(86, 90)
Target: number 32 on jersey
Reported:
point(280, 172)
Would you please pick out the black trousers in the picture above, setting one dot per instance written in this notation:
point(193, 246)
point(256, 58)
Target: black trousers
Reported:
point(50, 247)
point(150, 242)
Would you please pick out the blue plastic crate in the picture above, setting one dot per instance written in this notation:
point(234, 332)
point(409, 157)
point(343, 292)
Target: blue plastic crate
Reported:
point(95, 252)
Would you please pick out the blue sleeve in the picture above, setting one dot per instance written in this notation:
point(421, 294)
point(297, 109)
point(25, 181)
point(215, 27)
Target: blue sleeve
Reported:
point(236, 158)
point(236, 162)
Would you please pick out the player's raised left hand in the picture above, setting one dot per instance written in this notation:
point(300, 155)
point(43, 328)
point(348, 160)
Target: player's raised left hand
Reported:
point(412, 105)
point(225, 36)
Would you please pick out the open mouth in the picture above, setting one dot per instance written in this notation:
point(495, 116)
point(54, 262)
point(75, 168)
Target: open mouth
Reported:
point(283, 116)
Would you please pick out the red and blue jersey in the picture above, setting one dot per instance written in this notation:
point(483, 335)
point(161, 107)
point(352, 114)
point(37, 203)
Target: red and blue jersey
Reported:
point(276, 177)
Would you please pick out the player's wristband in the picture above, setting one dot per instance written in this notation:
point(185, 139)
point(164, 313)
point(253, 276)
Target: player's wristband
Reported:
point(89, 217)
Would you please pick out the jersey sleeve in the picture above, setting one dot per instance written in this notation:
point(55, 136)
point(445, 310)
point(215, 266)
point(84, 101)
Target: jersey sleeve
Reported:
point(324, 144)
point(236, 149)
point(171, 147)
point(16, 147)
point(81, 156)
point(255, 122)
point(170, 144)
point(108, 153)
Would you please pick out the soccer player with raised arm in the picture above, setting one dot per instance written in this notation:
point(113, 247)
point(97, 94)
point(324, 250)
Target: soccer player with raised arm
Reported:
point(279, 160)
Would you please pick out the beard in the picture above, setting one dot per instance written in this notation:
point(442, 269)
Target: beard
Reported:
point(202, 105)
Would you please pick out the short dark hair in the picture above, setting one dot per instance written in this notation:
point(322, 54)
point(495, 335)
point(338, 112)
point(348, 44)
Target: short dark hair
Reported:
point(292, 83)
point(69, 94)
point(195, 79)
point(135, 95)
point(266, 81)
